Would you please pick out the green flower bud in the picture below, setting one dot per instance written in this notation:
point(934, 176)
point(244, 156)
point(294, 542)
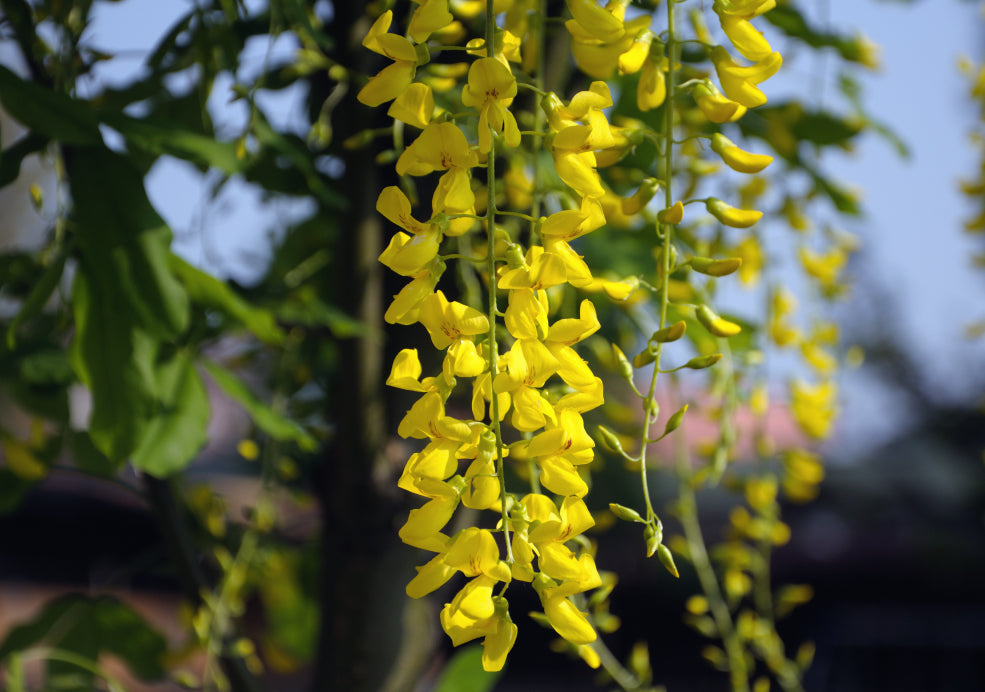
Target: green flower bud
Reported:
point(625, 513)
point(667, 560)
point(670, 333)
point(715, 267)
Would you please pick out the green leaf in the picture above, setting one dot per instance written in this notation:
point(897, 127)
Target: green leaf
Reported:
point(265, 418)
point(89, 627)
point(114, 358)
point(791, 22)
point(212, 293)
point(49, 113)
point(87, 457)
point(124, 241)
point(464, 673)
point(160, 138)
point(40, 293)
point(14, 155)
point(177, 430)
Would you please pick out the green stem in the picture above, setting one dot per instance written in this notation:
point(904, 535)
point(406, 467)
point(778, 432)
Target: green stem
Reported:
point(493, 309)
point(688, 514)
point(666, 232)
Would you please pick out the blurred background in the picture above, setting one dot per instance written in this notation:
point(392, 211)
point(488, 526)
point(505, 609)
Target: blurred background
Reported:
point(893, 547)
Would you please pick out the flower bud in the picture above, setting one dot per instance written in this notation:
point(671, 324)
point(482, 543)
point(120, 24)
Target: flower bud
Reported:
point(667, 559)
point(732, 216)
point(715, 267)
point(622, 364)
point(738, 159)
point(669, 333)
point(716, 325)
point(702, 362)
point(625, 513)
point(674, 421)
point(671, 215)
point(610, 440)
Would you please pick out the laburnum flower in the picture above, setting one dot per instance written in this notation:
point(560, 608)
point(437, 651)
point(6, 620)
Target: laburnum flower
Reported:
point(814, 406)
point(714, 105)
point(550, 527)
point(407, 255)
point(405, 373)
point(430, 16)
point(491, 89)
point(601, 37)
point(424, 524)
point(574, 142)
point(558, 450)
point(540, 270)
point(471, 551)
point(406, 305)
point(498, 631)
point(482, 486)
point(568, 224)
point(414, 105)
point(448, 322)
point(395, 78)
point(569, 622)
point(528, 366)
point(442, 147)
point(652, 88)
point(740, 82)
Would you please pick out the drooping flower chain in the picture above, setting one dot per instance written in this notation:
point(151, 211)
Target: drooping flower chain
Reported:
point(547, 417)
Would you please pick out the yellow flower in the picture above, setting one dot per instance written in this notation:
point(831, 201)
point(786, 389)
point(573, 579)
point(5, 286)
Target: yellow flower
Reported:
point(431, 16)
point(526, 315)
point(529, 365)
point(748, 40)
point(569, 224)
point(540, 270)
point(714, 105)
point(732, 216)
point(814, 406)
point(472, 551)
point(738, 159)
point(652, 89)
point(569, 622)
point(442, 146)
point(498, 630)
point(409, 255)
point(448, 322)
point(551, 527)
point(414, 105)
point(739, 82)
point(406, 372)
point(423, 526)
point(491, 89)
point(558, 450)
point(394, 78)
point(406, 304)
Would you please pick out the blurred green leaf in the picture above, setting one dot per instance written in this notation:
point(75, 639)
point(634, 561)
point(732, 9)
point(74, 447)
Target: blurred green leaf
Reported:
point(51, 114)
point(14, 155)
point(177, 430)
point(160, 138)
point(43, 288)
point(90, 627)
point(269, 421)
point(209, 291)
point(464, 673)
point(115, 359)
point(123, 241)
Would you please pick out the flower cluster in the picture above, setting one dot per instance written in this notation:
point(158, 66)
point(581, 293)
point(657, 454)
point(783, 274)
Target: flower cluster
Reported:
point(518, 179)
